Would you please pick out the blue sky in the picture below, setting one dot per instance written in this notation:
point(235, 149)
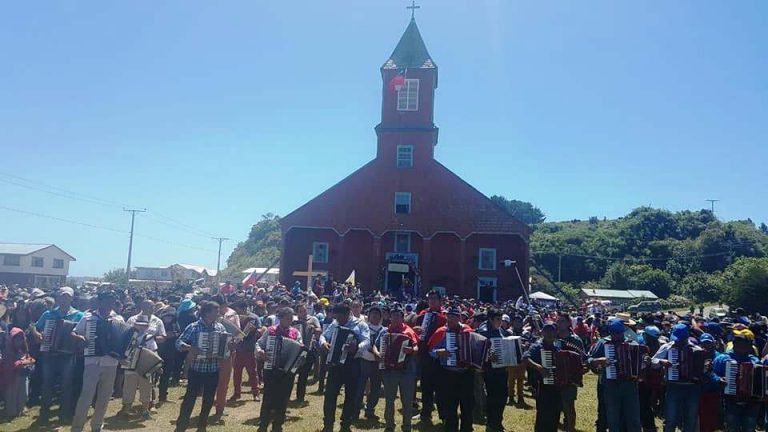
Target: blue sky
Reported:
point(214, 113)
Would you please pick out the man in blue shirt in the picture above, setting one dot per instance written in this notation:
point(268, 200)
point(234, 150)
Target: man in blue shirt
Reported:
point(740, 414)
point(58, 365)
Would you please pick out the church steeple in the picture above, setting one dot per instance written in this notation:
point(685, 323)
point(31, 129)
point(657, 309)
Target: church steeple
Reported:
point(409, 80)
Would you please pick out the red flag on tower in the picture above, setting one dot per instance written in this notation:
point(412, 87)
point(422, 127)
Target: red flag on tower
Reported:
point(396, 83)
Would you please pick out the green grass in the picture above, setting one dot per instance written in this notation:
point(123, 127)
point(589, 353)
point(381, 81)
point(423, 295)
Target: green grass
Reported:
point(308, 418)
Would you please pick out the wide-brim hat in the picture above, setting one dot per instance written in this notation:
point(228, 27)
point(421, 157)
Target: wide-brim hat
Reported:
point(627, 318)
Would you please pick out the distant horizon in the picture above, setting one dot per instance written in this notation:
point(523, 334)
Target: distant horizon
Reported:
point(211, 115)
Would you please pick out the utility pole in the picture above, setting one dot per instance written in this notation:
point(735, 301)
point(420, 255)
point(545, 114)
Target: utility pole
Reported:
point(712, 204)
point(218, 260)
point(130, 242)
point(559, 268)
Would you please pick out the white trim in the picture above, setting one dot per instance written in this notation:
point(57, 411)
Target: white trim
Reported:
point(403, 194)
point(406, 233)
point(488, 279)
point(409, 154)
point(480, 259)
point(315, 259)
point(342, 234)
point(409, 89)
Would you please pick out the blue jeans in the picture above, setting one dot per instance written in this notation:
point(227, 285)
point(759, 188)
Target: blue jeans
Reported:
point(681, 406)
point(622, 406)
point(741, 417)
point(55, 366)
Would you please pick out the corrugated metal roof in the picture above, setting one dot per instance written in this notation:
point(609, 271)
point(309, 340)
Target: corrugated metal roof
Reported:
point(21, 248)
point(625, 294)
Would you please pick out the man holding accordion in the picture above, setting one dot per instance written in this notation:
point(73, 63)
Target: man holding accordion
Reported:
point(280, 348)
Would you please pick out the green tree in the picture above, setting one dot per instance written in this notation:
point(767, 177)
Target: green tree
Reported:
point(748, 282)
point(703, 287)
point(261, 249)
point(116, 276)
point(764, 228)
point(522, 210)
point(623, 276)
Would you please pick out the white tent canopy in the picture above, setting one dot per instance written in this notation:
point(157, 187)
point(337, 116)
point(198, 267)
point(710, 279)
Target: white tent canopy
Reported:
point(540, 295)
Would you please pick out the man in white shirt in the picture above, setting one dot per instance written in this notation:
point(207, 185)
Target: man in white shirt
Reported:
point(150, 330)
point(100, 368)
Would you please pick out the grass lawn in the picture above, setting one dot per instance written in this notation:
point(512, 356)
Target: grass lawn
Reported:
point(309, 418)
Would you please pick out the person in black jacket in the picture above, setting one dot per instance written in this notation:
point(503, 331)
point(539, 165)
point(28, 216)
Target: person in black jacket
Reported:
point(495, 378)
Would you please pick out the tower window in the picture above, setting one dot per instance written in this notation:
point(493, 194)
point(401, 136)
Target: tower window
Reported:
point(402, 202)
point(487, 259)
point(320, 252)
point(402, 242)
point(405, 156)
point(408, 96)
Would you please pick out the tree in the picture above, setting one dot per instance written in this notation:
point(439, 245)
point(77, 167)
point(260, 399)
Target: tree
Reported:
point(764, 228)
point(623, 276)
point(703, 287)
point(262, 247)
point(116, 276)
point(522, 210)
point(748, 282)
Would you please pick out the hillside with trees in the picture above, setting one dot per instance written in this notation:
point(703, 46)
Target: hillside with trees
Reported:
point(690, 254)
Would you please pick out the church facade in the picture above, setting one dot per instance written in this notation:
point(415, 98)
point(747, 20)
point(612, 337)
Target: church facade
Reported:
point(403, 221)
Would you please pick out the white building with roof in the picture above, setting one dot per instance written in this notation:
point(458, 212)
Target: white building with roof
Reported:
point(33, 265)
point(173, 272)
point(617, 296)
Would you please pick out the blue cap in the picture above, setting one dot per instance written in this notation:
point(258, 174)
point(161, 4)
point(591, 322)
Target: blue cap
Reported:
point(706, 337)
point(186, 305)
point(652, 331)
point(616, 326)
point(713, 328)
point(679, 332)
point(742, 320)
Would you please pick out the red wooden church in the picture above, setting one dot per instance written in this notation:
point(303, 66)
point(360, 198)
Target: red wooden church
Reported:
point(404, 221)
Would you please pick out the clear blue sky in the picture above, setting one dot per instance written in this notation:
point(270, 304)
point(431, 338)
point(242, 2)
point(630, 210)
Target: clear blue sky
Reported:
point(214, 113)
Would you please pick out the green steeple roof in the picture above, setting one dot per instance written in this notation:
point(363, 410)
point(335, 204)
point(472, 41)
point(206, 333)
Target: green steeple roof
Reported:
point(410, 52)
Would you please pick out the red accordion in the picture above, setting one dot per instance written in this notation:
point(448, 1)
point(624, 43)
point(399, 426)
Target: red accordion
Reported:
point(687, 365)
point(392, 350)
point(746, 381)
point(626, 361)
point(566, 367)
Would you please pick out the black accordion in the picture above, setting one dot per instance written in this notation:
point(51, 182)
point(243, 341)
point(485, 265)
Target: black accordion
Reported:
point(466, 350)
point(342, 336)
point(428, 326)
point(508, 351)
point(107, 337)
point(57, 337)
point(213, 345)
point(308, 336)
point(284, 354)
point(626, 361)
point(566, 368)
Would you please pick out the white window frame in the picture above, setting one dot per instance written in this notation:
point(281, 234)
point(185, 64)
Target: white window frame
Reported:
point(57, 261)
point(495, 281)
point(480, 259)
point(403, 194)
point(408, 95)
point(315, 258)
point(404, 156)
point(41, 260)
point(402, 233)
point(6, 261)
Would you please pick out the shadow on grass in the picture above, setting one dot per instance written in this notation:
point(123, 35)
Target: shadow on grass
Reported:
point(256, 421)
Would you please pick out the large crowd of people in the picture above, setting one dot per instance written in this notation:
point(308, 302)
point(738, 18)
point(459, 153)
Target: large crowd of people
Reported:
point(689, 371)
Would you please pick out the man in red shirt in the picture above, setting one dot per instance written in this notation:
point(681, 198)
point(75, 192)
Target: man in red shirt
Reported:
point(428, 321)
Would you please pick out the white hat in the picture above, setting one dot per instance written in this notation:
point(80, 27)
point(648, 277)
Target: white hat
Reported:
point(37, 293)
point(67, 290)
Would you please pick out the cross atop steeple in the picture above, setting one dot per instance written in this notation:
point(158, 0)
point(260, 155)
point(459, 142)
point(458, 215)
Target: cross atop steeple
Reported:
point(413, 8)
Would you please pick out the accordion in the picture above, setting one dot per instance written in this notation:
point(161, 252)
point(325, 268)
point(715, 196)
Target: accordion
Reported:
point(143, 361)
point(687, 365)
point(337, 355)
point(466, 350)
point(284, 354)
point(428, 326)
point(308, 336)
point(507, 351)
point(746, 381)
point(392, 351)
point(565, 367)
point(57, 336)
point(626, 361)
point(106, 337)
point(213, 345)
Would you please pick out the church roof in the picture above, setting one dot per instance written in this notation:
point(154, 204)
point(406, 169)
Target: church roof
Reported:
point(410, 52)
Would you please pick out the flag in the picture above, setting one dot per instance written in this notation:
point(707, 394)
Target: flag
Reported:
point(351, 278)
point(250, 279)
point(396, 83)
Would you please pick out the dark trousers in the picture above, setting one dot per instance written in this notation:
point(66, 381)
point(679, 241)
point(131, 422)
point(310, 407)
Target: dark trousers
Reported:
point(369, 371)
point(601, 422)
point(548, 408)
point(681, 407)
point(457, 392)
point(496, 397)
point(58, 366)
point(741, 416)
point(430, 372)
point(169, 360)
point(303, 376)
point(198, 382)
point(647, 404)
point(36, 383)
point(348, 376)
point(277, 390)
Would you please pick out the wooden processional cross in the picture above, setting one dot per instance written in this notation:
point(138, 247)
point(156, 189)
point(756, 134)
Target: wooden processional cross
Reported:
point(308, 274)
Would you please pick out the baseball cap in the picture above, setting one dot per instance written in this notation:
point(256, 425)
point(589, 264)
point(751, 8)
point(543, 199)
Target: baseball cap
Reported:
point(679, 332)
point(706, 337)
point(615, 326)
point(505, 318)
point(67, 290)
point(652, 331)
point(744, 334)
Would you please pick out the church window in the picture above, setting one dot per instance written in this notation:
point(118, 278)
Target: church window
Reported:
point(320, 252)
point(402, 242)
point(487, 259)
point(404, 156)
point(486, 289)
point(408, 96)
point(402, 202)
